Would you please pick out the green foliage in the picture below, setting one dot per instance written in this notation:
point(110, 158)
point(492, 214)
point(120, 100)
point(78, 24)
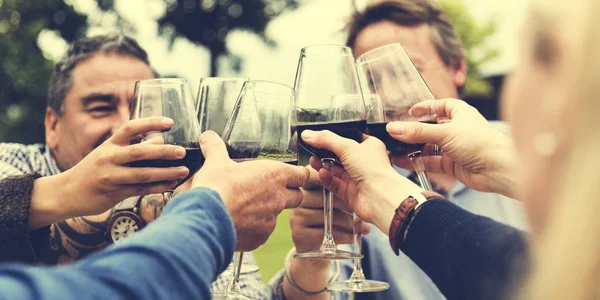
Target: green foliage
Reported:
point(24, 71)
point(474, 36)
point(208, 22)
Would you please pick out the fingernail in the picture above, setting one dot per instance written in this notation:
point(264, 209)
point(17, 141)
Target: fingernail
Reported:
point(180, 152)
point(307, 134)
point(182, 171)
point(395, 128)
point(167, 121)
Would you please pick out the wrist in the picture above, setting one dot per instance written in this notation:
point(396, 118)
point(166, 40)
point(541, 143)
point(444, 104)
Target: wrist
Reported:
point(503, 179)
point(391, 198)
point(46, 203)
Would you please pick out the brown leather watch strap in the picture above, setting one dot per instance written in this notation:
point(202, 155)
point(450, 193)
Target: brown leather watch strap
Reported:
point(400, 215)
point(403, 214)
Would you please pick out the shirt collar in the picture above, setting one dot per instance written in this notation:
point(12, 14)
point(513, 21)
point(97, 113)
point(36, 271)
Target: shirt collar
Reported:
point(51, 161)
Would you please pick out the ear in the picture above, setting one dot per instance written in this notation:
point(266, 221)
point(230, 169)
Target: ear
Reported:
point(52, 125)
point(460, 74)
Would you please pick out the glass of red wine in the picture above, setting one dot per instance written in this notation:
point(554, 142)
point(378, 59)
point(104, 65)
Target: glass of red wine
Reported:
point(391, 85)
point(357, 282)
point(261, 126)
point(172, 98)
point(325, 73)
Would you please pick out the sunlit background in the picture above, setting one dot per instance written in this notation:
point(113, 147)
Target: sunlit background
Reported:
point(33, 35)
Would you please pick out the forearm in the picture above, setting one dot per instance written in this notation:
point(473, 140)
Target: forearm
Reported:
point(75, 238)
point(177, 258)
point(466, 256)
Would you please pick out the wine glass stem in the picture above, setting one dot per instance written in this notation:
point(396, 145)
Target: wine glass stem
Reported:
point(357, 273)
point(328, 242)
point(417, 161)
point(237, 262)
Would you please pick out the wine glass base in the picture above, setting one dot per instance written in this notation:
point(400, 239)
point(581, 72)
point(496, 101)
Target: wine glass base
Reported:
point(358, 287)
point(336, 254)
point(245, 270)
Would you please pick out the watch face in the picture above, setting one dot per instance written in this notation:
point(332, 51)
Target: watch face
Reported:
point(123, 227)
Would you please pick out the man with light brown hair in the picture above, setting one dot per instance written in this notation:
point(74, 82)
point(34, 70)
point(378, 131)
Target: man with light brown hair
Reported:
point(435, 47)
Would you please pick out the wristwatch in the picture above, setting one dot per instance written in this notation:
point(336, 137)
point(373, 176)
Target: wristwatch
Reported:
point(125, 220)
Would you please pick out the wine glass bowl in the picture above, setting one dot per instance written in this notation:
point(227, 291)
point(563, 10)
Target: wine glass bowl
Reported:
point(326, 75)
point(172, 98)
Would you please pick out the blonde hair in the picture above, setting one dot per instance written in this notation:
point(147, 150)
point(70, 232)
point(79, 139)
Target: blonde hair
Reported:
point(566, 254)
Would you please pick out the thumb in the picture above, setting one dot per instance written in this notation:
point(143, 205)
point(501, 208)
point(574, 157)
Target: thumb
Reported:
point(417, 132)
point(213, 148)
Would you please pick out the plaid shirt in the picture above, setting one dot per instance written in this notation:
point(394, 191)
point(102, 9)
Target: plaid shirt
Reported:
point(18, 159)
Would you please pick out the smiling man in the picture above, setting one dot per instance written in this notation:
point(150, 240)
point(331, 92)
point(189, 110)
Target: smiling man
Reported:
point(89, 99)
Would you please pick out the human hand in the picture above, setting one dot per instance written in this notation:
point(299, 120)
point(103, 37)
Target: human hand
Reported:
point(368, 183)
point(307, 221)
point(254, 192)
point(474, 152)
point(104, 178)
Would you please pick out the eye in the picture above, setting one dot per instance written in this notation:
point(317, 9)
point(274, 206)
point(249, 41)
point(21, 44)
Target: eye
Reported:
point(100, 110)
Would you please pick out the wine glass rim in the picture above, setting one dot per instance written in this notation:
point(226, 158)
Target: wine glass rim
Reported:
point(397, 47)
point(224, 79)
point(162, 81)
point(314, 46)
point(249, 82)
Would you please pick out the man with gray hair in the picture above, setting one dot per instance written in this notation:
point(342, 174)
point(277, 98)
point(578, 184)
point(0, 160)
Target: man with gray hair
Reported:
point(89, 98)
point(433, 44)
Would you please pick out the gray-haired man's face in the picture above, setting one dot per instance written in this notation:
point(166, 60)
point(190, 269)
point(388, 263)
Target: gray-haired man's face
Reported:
point(97, 104)
point(417, 40)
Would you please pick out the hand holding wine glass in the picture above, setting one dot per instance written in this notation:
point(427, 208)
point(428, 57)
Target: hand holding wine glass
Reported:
point(368, 183)
point(170, 97)
point(478, 155)
point(104, 177)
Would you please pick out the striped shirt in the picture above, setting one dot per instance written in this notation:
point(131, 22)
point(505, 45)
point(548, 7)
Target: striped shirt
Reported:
point(18, 159)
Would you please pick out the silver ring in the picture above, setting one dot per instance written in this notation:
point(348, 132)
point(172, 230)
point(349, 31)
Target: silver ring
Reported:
point(437, 150)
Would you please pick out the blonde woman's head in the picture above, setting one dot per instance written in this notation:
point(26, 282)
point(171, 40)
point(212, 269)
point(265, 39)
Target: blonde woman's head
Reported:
point(551, 103)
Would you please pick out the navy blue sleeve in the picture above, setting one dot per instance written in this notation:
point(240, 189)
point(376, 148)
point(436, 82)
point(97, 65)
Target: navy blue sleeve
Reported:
point(176, 257)
point(467, 256)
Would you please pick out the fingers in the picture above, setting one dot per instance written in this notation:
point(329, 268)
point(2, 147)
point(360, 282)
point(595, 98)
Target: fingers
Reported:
point(148, 152)
point(315, 163)
point(136, 127)
point(444, 108)
point(213, 148)
point(328, 140)
point(433, 164)
point(147, 175)
point(417, 132)
point(313, 218)
point(293, 198)
point(313, 181)
point(297, 176)
point(334, 184)
point(314, 199)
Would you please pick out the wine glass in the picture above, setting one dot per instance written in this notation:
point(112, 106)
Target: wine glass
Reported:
point(391, 85)
point(261, 126)
point(357, 281)
point(324, 73)
point(172, 98)
point(215, 101)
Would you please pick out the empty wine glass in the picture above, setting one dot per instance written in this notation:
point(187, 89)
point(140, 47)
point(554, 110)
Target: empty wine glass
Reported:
point(324, 73)
point(261, 126)
point(391, 85)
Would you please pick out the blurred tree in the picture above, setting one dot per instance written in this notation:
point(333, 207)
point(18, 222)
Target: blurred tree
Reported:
point(207, 22)
point(474, 36)
point(24, 71)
